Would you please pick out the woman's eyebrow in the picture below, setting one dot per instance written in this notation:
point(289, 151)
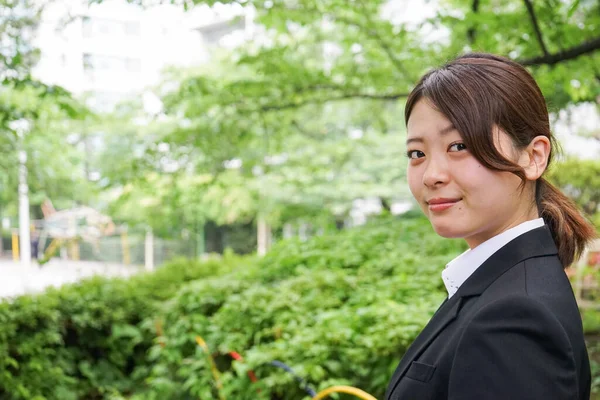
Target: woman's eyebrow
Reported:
point(442, 132)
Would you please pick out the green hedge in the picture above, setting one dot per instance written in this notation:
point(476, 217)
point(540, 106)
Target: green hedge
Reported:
point(338, 309)
point(88, 340)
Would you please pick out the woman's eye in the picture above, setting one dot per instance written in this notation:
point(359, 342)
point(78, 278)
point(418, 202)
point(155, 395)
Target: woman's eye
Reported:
point(413, 154)
point(457, 147)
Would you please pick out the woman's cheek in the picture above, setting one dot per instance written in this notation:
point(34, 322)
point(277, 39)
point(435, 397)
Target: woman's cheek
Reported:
point(469, 172)
point(414, 182)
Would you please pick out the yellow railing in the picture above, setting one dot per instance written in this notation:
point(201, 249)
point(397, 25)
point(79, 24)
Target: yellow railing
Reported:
point(344, 389)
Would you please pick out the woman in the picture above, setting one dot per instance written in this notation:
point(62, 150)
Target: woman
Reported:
point(478, 144)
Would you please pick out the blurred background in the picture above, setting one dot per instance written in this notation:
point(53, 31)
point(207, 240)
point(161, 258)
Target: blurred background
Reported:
point(259, 143)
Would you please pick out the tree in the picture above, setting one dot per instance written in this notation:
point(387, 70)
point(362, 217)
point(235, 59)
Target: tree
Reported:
point(47, 110)
point(580, 179)
point(323, 71)
point(348, 56)
point(378, 58)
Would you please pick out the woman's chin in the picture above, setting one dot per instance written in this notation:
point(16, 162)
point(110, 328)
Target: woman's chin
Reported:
point(447, 231)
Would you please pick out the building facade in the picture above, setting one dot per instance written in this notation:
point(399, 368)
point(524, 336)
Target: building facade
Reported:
point(112, 51)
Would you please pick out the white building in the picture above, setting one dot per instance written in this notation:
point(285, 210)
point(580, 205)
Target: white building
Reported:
point(113, 50)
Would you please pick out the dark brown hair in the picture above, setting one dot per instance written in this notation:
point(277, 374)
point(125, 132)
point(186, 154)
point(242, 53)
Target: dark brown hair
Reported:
point(478, 91)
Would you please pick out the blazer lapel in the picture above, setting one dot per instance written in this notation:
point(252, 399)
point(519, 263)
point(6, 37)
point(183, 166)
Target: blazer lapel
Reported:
point(444, 316)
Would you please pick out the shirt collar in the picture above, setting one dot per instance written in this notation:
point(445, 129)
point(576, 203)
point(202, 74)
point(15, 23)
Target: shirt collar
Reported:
point(460, 269)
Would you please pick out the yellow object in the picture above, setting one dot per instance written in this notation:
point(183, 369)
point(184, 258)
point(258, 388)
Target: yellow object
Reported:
point(213, 366)
point(15, 246)
point(52, 248)
point(344, 389)
point(74, 247)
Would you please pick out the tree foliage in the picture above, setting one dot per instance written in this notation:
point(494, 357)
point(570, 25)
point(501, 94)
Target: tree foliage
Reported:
point(46, 110)
point(580, 180)
point(289, 104)
point(307, 115)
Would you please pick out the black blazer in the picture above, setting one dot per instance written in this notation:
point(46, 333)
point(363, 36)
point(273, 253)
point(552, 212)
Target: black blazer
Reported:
point(511, 331)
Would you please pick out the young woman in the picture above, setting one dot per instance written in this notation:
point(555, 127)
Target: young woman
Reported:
point(478, 144)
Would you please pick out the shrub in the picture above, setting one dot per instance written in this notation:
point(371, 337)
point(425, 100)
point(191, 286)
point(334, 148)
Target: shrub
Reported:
point(89, 339)
point(339, 309)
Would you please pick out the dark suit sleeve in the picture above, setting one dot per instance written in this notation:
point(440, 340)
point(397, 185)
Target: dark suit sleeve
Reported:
point(513, 348)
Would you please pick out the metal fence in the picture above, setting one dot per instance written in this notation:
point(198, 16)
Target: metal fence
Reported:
point(133, 249)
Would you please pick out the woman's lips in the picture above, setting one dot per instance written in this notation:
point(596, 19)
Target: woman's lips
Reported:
point(438, 205)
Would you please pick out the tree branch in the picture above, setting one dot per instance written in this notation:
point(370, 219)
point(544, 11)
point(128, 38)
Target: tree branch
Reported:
point(596, 73)
point(536, 27)
point(471, 33)
point(347, 96)
point(377, 37)
point(305, 132)
point(550, 59)
point(373, 33)
point(384, 44)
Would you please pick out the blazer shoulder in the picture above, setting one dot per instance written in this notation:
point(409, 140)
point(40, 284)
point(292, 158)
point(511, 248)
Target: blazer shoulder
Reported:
point(517, 313)
point(546, 274)
point(537, 277)
point(512, 302)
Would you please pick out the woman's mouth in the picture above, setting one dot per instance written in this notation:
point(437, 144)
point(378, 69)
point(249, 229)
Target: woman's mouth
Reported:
point(441, 204)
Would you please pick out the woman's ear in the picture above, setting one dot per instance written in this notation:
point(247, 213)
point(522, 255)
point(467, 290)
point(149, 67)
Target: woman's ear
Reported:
point(534, 158)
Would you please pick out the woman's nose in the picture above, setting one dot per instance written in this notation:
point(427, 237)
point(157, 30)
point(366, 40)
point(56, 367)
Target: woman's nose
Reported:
point(435, 173)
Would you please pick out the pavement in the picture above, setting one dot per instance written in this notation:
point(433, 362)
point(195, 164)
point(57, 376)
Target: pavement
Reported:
point(16, 279)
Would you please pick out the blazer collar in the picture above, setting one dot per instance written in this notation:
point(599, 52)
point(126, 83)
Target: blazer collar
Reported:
point(535, 243)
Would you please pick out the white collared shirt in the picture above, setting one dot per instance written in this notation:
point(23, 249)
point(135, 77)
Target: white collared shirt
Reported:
point(458, 270)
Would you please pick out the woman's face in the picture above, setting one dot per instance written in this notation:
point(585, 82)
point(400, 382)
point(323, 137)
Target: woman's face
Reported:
point(461, 197)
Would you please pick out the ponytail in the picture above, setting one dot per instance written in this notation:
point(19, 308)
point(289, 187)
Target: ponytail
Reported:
point(570, 230)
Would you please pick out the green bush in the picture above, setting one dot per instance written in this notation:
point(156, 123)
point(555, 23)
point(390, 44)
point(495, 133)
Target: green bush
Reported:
point(87, 340)
point(338, 309)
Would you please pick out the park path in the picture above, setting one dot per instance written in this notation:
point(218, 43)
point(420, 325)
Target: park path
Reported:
point(16, 279)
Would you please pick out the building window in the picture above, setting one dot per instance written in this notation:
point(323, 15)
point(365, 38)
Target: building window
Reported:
point(106, 27)
point(88, 64)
